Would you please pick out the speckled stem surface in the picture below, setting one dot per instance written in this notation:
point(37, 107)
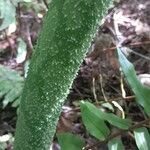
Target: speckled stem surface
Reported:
point(68, 28)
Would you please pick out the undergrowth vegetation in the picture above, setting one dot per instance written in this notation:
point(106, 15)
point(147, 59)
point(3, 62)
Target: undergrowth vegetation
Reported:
point(69, 27)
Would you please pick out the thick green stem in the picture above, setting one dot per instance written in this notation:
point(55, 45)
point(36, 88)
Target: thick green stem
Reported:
point(68, 28)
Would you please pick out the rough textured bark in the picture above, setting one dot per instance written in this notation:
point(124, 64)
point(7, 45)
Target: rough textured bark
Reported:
point(68, 28)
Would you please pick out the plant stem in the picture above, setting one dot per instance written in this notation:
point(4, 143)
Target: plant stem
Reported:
point(68, 29)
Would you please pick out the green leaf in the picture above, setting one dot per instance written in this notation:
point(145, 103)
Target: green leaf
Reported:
point(21, 51)
point(93, 123)
point(142, 93)
point(115, 144)
point(142, 138)
point(11, 84)
point(116, 121)
point(108, 106)
point(70, 141)
point(16, 102)
point(26, 68)
point(111, 118)
point(7, 13)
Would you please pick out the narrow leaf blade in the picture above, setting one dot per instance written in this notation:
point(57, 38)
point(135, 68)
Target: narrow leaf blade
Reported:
point(115, 144)
point(22, 51)
point(70, 141)
point(111, 118)
point(142, 138)
point(142, 93)
point(93, 123)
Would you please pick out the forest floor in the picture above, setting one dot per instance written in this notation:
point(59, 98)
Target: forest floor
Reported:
point(99, 79)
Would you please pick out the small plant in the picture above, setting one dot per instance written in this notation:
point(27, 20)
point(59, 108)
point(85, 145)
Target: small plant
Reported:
point(95, 120)
point(11, 84)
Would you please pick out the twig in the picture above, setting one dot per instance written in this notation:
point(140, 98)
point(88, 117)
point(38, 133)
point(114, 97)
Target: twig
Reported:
point(102, 90)
point(108, 101)
point(94, 89)
point(131, 44)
